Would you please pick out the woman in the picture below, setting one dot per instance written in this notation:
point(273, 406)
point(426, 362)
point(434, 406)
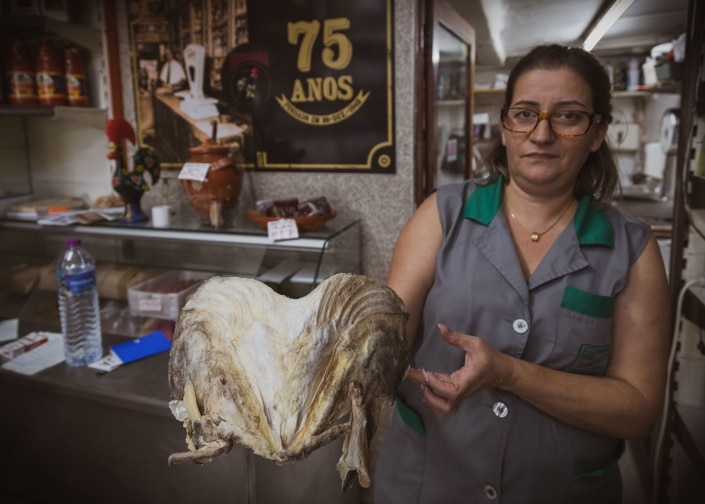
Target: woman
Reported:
point(539, 313)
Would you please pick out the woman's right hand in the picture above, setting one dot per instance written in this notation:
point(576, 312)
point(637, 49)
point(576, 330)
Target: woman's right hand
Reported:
point(484, 368)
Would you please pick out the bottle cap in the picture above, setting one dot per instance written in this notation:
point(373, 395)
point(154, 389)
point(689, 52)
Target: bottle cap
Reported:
point(73, 242)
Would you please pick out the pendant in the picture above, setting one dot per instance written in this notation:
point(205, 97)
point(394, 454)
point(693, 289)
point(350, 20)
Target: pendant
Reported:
point(535, 236)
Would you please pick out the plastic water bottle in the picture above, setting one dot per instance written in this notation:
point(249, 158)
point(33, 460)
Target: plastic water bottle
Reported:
point(78, 305)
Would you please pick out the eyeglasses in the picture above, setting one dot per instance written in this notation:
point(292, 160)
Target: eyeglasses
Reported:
point(564, 123)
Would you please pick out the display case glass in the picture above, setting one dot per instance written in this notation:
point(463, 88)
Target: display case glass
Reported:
point(127, 254)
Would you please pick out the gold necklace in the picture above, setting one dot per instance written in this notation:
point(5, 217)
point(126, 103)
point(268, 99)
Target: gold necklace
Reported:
point(535, 235)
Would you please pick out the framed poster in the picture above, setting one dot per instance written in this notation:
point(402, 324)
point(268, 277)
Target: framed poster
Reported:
point(293, 86)
point(317, 82)
point(177, 52)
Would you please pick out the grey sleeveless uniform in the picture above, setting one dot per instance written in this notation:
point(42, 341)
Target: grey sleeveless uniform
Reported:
point(499, 448)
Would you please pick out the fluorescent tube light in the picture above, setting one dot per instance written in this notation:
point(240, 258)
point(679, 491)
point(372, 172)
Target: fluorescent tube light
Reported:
point(605, 23)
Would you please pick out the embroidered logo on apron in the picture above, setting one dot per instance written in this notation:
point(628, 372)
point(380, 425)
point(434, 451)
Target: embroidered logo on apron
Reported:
point(591, 359)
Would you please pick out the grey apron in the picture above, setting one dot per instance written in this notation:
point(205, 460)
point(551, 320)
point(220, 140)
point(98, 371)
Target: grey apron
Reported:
point(499, 448)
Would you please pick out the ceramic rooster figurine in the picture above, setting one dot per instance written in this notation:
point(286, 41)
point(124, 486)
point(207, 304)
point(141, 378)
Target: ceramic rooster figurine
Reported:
point(130, 185)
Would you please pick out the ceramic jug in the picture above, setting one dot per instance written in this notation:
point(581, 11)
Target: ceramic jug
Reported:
point(214, 200)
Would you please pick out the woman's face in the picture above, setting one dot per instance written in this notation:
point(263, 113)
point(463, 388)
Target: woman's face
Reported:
point(542, 159)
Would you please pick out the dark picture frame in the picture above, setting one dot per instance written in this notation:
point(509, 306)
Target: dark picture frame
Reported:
point(310, 89)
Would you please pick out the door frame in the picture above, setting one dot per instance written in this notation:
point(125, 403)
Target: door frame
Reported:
point(432, 15)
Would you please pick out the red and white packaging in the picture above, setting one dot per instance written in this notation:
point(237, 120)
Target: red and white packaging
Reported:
point(21, 345)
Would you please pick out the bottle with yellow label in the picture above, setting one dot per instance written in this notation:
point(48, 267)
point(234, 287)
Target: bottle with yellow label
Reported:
point(76, 88)
point(49, 77)
point(20, 74)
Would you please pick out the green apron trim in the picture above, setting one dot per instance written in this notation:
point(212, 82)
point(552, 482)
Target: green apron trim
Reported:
point(592, 225)
point(483, 203)
point(604, 470)
point(411, 418)
point(587, 303)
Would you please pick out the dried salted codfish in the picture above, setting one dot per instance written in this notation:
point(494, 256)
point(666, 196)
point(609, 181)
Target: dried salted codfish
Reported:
point(284, 376)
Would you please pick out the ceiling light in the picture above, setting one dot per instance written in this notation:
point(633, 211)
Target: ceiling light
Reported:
point(605, 22)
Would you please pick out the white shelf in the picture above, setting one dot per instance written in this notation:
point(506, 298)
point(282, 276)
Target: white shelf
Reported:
point(88, 116)
point(201, 236)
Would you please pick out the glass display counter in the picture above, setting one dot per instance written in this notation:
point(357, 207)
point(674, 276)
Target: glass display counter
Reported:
point(243, 250)
point(101, 437)
point(290, 267)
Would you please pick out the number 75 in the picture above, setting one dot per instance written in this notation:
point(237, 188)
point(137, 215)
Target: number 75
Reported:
point(307, 31)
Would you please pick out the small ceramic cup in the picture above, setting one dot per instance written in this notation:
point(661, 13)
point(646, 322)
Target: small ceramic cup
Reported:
point(160, 215)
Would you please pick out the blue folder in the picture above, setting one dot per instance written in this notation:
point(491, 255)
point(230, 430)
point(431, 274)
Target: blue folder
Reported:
point(139, 348)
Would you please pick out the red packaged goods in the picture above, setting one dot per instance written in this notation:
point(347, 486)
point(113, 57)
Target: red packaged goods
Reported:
point(20, 74)
point(180, 285)
point(76, 88)
point(21, 345)
point(164, 295)
point(51, 84)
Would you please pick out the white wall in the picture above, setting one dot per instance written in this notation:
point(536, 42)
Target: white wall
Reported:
point(68, 158)
point(55, 156)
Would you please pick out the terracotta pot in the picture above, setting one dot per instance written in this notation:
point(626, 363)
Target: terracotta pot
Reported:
point(215, 199)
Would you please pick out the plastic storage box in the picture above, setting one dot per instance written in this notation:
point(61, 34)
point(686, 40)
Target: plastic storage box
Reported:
point(164, 295)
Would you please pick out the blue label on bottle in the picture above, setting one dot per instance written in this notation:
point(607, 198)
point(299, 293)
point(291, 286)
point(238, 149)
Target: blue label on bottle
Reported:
point(79, 283)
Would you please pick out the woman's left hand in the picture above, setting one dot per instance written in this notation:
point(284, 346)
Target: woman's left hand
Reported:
point(484, 368)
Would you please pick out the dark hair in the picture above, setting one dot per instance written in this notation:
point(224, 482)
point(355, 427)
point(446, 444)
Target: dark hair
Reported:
point(599, 176)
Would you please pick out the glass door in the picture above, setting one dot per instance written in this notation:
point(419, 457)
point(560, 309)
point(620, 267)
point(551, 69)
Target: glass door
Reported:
point(444, 151)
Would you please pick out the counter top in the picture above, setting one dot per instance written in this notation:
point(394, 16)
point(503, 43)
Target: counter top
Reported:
point(142, 385)
point(106, 437)
point(202, 127)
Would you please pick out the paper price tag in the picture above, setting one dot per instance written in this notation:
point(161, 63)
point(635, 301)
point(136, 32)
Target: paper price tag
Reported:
point(150, 303)
point(194, 171)
point(107, 363)
point(282, 229)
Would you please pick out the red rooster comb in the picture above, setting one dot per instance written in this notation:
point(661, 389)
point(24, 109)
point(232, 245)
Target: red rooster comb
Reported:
point(119, 129)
